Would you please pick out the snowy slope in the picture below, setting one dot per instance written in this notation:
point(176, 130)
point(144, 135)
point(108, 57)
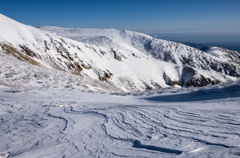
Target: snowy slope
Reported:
point(27, 77)
point(173, 52)
point(124, 66)
point(72, 124)
point(223, 53)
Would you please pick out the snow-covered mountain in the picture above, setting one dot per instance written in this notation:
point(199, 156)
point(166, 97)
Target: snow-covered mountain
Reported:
point(125, 60)
point(173, 52)
point(223, 54)
point(43, 112)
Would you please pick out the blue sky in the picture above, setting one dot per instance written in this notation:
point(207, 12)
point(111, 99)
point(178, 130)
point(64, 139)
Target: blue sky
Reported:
point(222, 16)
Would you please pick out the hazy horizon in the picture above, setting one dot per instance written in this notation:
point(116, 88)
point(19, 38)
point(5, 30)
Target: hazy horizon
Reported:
point(199, 37)
point(198, 21)
point(229, 41)
point(135, 15)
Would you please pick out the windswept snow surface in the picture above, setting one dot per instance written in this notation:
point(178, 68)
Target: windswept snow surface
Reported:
point(72, 124)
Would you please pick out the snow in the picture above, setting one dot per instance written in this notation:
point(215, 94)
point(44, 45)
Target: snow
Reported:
point(141, 45)
point(51, 117)
point(17, 31)
point(197, 123)
point(130, 69)
point(222, 53)
point(137, 42)
point(128, 56)
point(33, 77)
point(45, 112)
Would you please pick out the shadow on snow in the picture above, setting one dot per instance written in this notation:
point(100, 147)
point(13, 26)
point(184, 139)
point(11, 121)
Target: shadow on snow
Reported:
point(199, 95)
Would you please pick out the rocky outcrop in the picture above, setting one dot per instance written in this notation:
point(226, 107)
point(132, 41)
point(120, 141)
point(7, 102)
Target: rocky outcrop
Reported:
point(19, 54)
point(200, 82)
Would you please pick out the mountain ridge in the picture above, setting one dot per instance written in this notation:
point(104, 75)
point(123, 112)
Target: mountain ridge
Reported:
point(123, 59)
point(169, 51)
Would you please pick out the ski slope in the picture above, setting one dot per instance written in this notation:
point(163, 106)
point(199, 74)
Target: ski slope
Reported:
point(66, 123)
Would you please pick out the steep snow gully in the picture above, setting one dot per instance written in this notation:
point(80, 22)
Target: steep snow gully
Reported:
point(75, 124)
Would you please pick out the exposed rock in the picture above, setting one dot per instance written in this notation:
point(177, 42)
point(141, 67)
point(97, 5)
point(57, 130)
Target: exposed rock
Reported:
point(71, 58)
point(200, 82)
point(29, 52)
point(103, 78)
point(86, 66)
point(155, 84)
point(107, 75)
point(170, 82)
point(78, 66)
point(64, 56)
point(118, 56)
point(9, 50)
point(46, 45)
point(102, 52)
point(59, 59)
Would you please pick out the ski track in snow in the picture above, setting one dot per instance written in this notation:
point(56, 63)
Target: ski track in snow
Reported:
point(99, 125)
